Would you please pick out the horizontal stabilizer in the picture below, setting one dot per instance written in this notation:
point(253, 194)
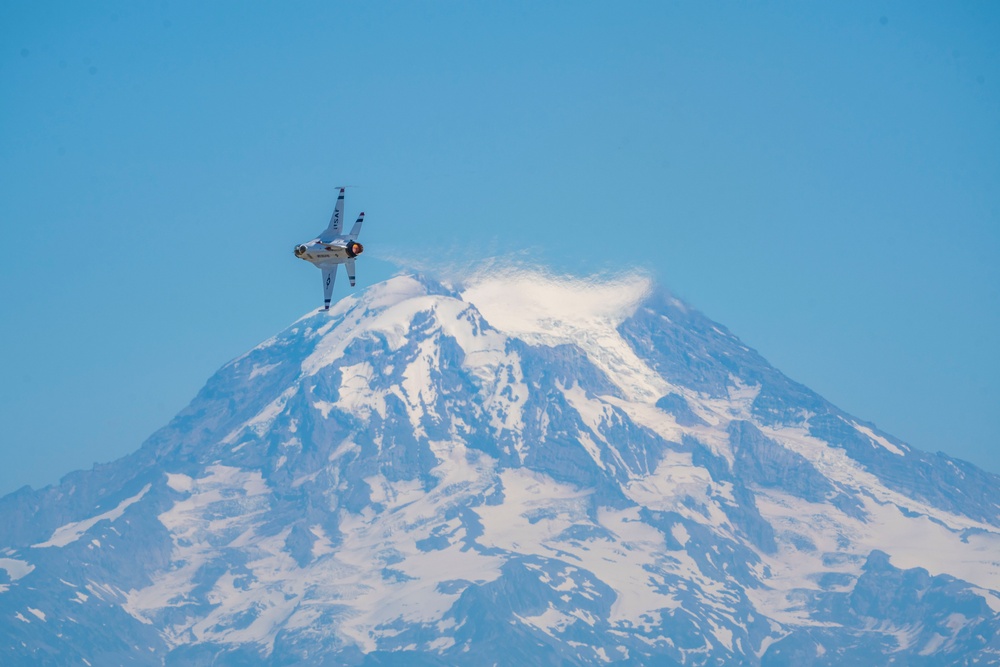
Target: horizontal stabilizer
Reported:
point(349, 265)
point(356, 229)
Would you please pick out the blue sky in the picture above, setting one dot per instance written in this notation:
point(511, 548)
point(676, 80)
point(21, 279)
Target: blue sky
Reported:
point(822, 178)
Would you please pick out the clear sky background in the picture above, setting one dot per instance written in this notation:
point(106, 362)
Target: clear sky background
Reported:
point(821, 178)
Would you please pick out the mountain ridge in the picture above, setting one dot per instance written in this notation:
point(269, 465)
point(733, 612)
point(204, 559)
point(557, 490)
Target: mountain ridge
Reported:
point(582, 472)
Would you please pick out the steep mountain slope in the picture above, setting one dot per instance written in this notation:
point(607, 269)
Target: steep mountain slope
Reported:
point(518, 470)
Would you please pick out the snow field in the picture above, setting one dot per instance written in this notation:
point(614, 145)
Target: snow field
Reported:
point(73, 531)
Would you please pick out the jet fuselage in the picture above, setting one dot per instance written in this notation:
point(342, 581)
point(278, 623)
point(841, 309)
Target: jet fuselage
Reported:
point(337, 251)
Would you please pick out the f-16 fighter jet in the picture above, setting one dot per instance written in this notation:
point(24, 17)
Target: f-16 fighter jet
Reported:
point(333, 248)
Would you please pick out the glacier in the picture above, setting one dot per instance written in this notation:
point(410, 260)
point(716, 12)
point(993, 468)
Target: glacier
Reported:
point(513, 468)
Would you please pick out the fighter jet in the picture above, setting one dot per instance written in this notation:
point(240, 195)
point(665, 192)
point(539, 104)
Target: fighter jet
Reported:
point(333, 248)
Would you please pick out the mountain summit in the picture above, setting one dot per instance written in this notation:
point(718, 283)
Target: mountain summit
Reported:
point(517, 470)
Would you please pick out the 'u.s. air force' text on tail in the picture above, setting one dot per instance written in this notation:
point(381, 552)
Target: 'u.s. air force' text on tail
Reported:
point(333, 248)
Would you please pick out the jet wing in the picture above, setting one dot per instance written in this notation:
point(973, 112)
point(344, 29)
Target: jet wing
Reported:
point(336, 221)
point(329, 277)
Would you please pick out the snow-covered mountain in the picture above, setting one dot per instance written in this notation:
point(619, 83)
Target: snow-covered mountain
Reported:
point(516, 470)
